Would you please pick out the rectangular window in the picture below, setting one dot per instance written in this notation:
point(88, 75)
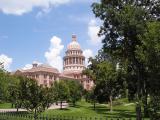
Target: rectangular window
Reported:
point(45, 82)
point(37, 76)
point(50, 77)
point(45, 76)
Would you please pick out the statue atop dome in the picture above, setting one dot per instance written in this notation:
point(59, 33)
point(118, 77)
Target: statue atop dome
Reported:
point(74, 45)
point(74, 37)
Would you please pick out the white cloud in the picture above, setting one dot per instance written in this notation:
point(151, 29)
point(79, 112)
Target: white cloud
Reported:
point(93, 29)
point(53, 54)
point(43, 12)
point(87, 53)
point(29, 66)
point(7, 61)
point(19, 7)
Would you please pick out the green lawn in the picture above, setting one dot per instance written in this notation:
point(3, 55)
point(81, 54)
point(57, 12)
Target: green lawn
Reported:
point(121, 109)
point(5, 105)
point(84, 109)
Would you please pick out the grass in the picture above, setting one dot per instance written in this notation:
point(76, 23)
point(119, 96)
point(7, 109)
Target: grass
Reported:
point(123, 110)
point(5, 105)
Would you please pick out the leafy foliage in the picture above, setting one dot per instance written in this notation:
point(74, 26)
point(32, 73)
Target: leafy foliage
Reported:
point(128, 39)
point(75, 90)
point(34, 96)
point(60, 91)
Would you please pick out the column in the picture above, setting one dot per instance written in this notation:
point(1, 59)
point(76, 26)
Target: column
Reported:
point(72, 60)
point(67, 61)
point(78, 61)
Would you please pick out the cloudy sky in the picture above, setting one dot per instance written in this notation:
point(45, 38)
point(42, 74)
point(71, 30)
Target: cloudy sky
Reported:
point(39, 30)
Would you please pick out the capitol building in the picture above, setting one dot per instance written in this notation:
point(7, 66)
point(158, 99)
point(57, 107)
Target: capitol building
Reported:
point(73, 65)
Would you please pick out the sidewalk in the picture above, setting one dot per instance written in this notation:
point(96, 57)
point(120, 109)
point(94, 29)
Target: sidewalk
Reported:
point(54, 106)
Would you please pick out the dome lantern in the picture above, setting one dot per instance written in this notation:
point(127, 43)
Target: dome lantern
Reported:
point(74, 45)
point(74, 38)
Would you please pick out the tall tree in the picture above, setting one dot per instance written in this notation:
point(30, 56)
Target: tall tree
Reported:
point(149, 54)
point(61, 91)
point(34, 97)
point(75, 90)
point(4, 80)
point(107, 78)
point(123, 22)
point(14, 92)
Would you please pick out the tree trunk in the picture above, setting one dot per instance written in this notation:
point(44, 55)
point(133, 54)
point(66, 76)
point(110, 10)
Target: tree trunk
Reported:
point(145, 101)
point(17, 107)
point(138, 112)
point(110, 99)
point(139, 92)
point(61, 104)
point(12, 105)
point(145, 105)
point(35, 114)
point(94, 105)
point(74, 103)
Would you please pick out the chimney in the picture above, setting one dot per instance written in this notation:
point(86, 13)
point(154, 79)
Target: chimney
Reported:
point(35, 65)
point(74, 38)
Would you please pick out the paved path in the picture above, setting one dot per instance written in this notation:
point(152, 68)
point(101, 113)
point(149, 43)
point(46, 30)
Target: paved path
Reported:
point(54, 106)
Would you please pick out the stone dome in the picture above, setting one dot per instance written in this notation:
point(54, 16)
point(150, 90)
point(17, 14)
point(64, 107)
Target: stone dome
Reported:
point(74, 45)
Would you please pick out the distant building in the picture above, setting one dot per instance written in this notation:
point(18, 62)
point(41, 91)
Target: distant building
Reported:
point(73, 65)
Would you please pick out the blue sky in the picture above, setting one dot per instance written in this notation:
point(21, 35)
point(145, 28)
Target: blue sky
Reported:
point(30, 29)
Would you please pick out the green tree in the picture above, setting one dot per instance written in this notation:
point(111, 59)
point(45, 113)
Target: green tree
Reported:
point(4, 80)
point(14, 93)
point(75, 90)
point(107, 78)
point(60, 91)
point(91, 73)
point(123, 22)
point(34, 96)
point(92, 97)
point(48, 96)
point(149, 54)
point(106, 86)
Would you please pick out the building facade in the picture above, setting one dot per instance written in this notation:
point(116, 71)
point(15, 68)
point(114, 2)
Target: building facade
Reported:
point(73, 65)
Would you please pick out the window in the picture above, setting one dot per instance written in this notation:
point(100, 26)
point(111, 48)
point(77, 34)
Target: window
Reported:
point(87, 81)
point(33, 76)
point(37, 76)
point(50, 77)
point(45, 82)
point(45, 76)
point(50, 82)
point(87, 87)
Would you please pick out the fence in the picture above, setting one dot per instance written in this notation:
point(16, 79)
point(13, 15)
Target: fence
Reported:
point(22, 116)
